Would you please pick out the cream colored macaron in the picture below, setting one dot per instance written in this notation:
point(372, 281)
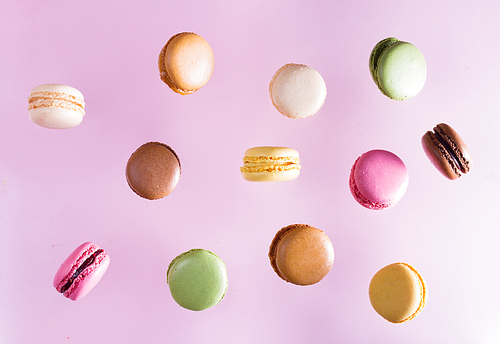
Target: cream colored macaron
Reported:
point(398, 293)
point(270, 164)
point(186, 62)
point(56, 106)
point(297, 91)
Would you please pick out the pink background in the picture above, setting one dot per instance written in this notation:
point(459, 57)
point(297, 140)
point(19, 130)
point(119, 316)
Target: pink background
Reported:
point(59, 189)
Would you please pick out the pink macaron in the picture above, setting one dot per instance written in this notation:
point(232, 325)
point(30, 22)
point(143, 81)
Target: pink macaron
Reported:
point(81, 271)
point(378, 179)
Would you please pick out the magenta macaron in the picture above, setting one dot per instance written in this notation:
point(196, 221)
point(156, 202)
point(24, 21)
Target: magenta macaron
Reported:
point(81, 271)
point(378, 179)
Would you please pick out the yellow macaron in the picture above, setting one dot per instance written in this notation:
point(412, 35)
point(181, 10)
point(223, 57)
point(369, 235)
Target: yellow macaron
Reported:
point(270, 164)
point(398, 292)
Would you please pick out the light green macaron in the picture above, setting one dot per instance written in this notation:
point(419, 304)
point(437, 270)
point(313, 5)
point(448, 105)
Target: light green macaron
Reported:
point(197, 279)
point(398, 68)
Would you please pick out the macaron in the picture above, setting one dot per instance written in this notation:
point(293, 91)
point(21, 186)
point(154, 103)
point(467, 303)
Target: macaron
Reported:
point(301, 254)
point(186, 62)
point(153, 170)
point(270, 164)
point(56, 106)
point(398, 68)
point(297, 91)
point(81, 271)
point(378, 179)
point(398, 292)
point(447, 151)
point(197, 279)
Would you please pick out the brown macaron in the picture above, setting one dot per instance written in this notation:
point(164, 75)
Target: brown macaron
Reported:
point(301, 254)
point(447, 151)
point(186, 62)
point(153, 170)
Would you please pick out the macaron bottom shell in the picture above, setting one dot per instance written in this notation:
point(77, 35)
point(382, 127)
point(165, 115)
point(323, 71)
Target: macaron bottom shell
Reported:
point(272, 176)
point(55, 118)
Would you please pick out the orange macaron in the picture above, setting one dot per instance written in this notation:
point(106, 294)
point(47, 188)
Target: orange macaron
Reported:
point(186, 63)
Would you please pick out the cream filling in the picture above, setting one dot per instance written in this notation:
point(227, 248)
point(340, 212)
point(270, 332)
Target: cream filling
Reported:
point(269, 164)
point(56, 99)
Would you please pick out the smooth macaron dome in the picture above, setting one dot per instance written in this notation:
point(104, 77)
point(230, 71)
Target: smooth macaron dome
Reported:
point(297, 91)
point(197, 279)
point(301, 254)
point(447, 151)
point(378, 179)
point(56, 106)
point(398, 68)
point(398, 292)
point(186, 62)
point(270, 164)
point(153, 170)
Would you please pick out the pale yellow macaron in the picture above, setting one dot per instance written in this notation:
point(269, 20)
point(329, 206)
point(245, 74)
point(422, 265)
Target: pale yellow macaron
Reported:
point(398, 293)
point(56, 106)
point(186, 62)
point(270, 164)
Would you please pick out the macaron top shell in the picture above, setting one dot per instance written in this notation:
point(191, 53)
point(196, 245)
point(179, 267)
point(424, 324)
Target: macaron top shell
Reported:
point(447, 151)
point(378, 179)
point(398, 68)
point(297, 91)
point(301, 254)
point(186, 62)
point(153, 170)
point(271, 151)
point(398, 292)
point(197, 279)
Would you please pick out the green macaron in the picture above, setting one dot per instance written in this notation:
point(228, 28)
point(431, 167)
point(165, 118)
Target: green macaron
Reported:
point(398, 68)
point(197, 279)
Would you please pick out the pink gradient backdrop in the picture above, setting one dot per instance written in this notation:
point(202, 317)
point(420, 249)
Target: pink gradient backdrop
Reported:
point(59, 189)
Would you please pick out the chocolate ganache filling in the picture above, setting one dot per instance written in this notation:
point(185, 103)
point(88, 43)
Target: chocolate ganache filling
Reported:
point(89, 261)
point(450, 150)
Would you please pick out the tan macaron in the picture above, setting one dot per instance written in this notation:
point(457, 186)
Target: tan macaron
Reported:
point(186, 62)
point(270, 164)
point(301, 254)
point(398, 293)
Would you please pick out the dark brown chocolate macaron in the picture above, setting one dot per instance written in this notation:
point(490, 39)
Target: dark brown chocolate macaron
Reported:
point(153, 170)
point(301, 254)
point(447, 151)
